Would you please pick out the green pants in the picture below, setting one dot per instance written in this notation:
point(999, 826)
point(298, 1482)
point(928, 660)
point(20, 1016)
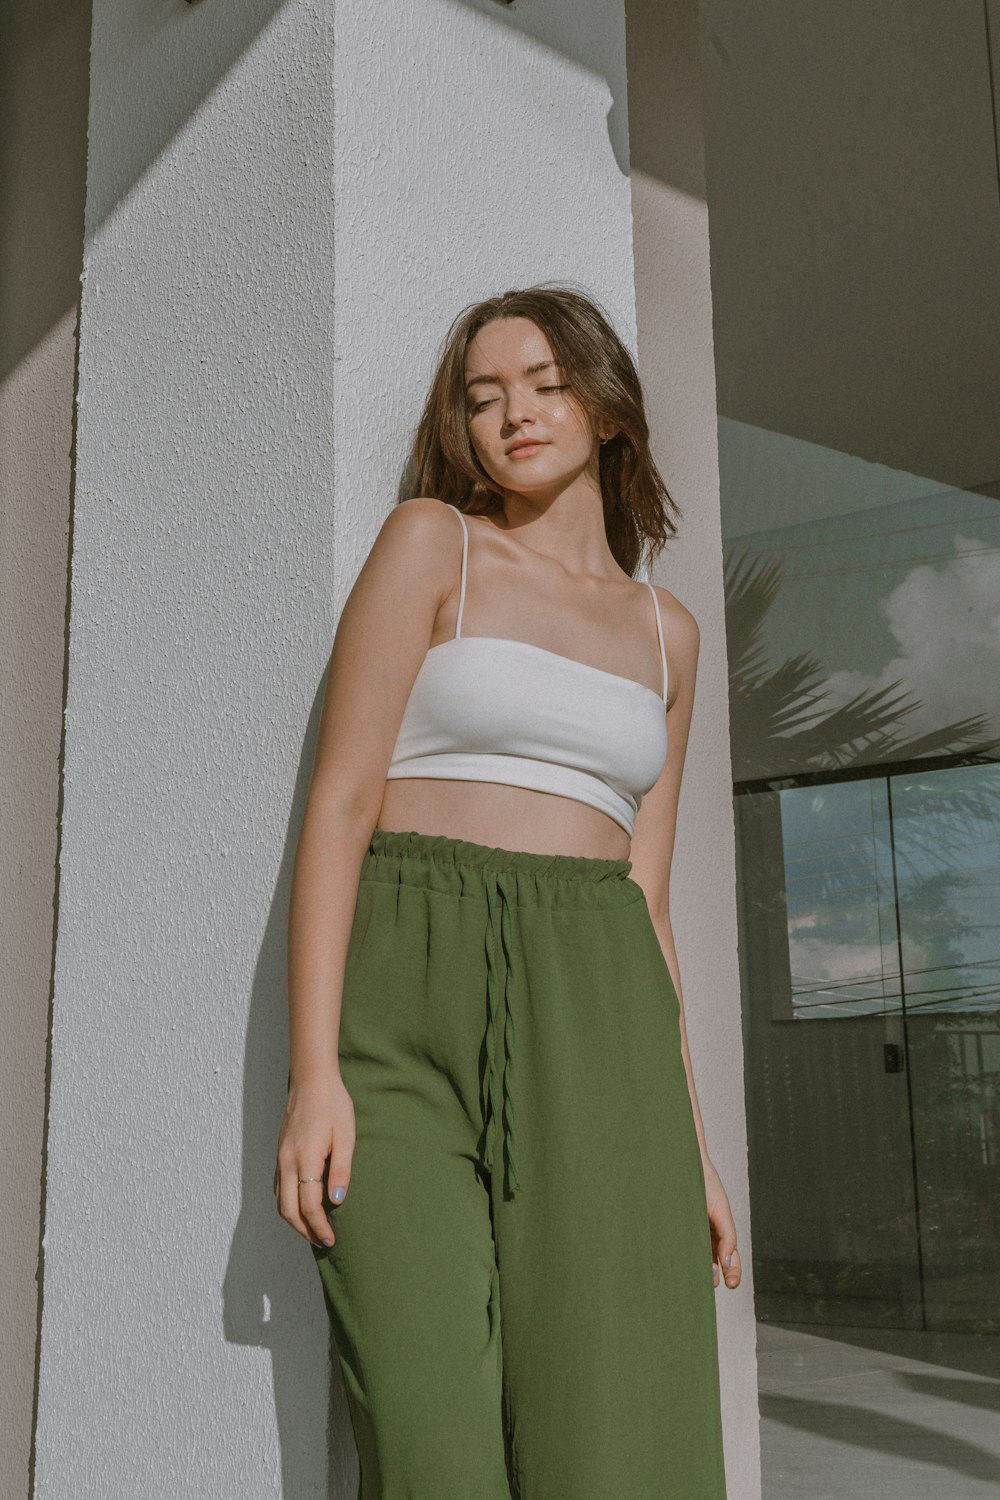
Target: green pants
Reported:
point(520, 1291)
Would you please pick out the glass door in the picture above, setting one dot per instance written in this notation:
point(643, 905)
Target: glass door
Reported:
point(870, 956)
point(945, 835)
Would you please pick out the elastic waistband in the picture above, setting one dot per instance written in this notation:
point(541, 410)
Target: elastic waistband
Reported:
point(441, 850)
point(504, 883)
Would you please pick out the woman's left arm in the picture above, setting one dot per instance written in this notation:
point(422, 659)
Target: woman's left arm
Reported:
point(651, 854)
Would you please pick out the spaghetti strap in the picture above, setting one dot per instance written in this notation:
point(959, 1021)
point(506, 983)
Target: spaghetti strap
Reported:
point(465, 565)
point(659, 635)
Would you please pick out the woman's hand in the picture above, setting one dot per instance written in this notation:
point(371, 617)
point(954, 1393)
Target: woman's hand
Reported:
point(318, 1128)
point(720, 1218)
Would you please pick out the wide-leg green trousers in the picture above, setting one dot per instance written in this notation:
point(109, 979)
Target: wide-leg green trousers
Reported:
point(520, 1291)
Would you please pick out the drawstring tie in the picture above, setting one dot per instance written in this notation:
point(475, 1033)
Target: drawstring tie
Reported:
point(496, 1097)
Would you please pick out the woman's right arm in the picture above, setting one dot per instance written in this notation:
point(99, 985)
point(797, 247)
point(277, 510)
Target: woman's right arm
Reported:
point(383, 634)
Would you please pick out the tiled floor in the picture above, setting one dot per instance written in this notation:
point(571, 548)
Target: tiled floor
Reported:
point(856, 1413)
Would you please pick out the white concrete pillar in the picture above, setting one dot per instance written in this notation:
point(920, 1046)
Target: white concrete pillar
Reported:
point(278, 232)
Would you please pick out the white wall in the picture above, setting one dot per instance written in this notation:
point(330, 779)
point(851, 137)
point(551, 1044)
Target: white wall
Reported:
point(472, 157)
point(202, 603)
point(243, 419)
point(676, 358)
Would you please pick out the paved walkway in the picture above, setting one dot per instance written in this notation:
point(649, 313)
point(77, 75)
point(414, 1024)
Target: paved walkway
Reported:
point(852, 1413)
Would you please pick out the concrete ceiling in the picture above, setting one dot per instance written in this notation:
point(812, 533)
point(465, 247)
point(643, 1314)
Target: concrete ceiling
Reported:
point(855, 227)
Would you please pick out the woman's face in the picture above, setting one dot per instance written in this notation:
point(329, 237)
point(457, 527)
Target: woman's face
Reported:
point(528, 430)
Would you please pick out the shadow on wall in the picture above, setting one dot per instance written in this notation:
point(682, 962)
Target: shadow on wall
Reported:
point(272, 1295)
point(587, 34)
point(43, 170)
point(172, 55)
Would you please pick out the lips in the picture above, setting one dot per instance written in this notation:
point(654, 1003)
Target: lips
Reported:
point(526, 448)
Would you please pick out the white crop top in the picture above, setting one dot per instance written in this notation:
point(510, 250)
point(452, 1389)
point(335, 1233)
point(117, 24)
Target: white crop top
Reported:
point(486, 708)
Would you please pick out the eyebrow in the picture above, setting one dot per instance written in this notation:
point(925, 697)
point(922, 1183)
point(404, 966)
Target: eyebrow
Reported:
point(545, 364)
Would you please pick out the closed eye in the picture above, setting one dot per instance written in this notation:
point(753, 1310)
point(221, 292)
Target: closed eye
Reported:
point(481, 405)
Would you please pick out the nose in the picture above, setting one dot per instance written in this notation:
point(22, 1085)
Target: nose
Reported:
point(519, 408)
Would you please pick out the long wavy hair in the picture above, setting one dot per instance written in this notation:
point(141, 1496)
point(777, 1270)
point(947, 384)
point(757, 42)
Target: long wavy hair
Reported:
point(639, 513)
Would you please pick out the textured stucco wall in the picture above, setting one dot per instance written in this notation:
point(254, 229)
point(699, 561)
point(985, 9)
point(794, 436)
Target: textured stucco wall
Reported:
point(201, 608)
point(44, 77)
point(243, 420)
point(473, 156)
point(674, 312)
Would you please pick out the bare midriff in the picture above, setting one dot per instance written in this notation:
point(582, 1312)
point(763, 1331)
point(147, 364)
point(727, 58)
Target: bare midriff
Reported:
point(505, 817)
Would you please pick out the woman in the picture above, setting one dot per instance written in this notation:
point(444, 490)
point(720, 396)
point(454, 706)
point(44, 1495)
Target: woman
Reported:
point(492, 1139)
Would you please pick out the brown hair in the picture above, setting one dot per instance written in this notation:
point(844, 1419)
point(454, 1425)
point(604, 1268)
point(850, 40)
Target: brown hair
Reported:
point(638, 510)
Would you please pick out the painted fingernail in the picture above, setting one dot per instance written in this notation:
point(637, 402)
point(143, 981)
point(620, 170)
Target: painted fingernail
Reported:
point(328, 1243)
point(338, 1194)
point(729, 1260)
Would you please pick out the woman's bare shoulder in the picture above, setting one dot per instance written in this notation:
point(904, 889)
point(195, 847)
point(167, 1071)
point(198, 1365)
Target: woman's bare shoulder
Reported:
point(422, 518)
point(418, 541)
point(679, 624)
